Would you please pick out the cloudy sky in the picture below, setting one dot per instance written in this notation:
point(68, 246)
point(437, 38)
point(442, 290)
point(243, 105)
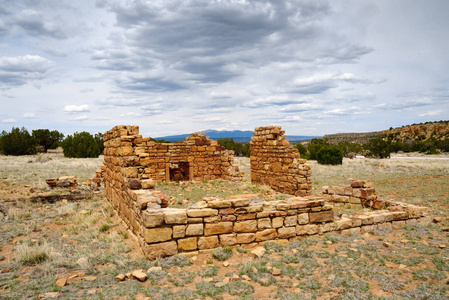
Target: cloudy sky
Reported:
point(172, 67)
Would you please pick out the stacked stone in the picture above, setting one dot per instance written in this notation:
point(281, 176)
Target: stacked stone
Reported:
point(277, 163)
point(248, 220)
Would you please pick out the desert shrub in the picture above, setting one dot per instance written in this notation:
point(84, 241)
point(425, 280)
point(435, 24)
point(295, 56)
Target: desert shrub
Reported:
point(302, 150)
point(349, 149)
point(17, 142)
point(315, 146)
point(47, 139)
point(98, 137)
point(29, 253)
point(329, 155)
point(80, 145)
point(222, 253)
point(378, 147)
point(238, 148)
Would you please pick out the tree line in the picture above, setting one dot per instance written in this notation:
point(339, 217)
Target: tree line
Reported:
point(20, 142)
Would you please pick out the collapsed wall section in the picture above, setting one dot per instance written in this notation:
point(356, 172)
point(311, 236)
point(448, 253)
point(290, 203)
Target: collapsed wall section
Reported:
point(278, 164)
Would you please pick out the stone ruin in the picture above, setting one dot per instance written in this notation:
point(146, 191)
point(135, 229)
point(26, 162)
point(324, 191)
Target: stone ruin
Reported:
point(278, 164)
point(133, 164)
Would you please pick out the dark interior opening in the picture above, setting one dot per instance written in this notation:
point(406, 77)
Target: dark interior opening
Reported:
point(179, 171)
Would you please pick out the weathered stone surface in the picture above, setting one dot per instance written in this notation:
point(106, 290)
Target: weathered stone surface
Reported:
point(264, 223)
point(187, 244)
point(286, 232)
point(134, 183)
point(343, 223)
point(218, 228)
point(240, 202)
point(152, 219)
point(200, 213)
point(160, 250)
point(208, 242)
point(245, 238)
point(265, 235)
point(148, 183)
point(175, 216)
point(195, 229)
point(155, 235)
point(258, 251)
point(213, 219)
point(228, 239)
point(306, 229)
point(179, 231)
point(303, 219)
point(139, 275)
point(228, 218)
point(249, 209)
point(243, 217)
point(245, 226)
point(321, 217)
point(226, 211)
point(277, 222)
point(290, 221)
point(143, 200)
point(220, 204)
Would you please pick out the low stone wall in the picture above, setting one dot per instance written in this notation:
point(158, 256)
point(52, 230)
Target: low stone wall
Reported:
point(278, 164)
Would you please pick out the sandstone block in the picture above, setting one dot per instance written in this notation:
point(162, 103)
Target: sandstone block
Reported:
point(148, 183)
point(286, 232)
point(134, 183)
point(303, 219)
point(194, 220)
point(152, 219)
point(290, 221)
point(179, 231)
point(142, 201)
point(175, 216)
point(228, 239)
point(306, 229)
point(218, 228)
point(321, 217)
point(277, 222)
point(160, 250)
point(265, 235)
point(200, 213)
point(245, 238)
point(228, 218)
point(212, 219)
point(245, 226)
point(131, 172)
point(187, 244)
point(208, 242)
point(249, 209)
point(155, 235)
point(397, 225)
point(264, 223)
point(195, 229)
point(240, 202)
point(226, 211)
point(343, 223)
point(219, 204)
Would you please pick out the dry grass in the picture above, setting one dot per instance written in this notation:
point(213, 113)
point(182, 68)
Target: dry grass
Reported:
point(63, 238)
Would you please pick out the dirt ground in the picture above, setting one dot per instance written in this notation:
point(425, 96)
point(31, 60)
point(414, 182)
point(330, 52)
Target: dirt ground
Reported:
point(74, 250)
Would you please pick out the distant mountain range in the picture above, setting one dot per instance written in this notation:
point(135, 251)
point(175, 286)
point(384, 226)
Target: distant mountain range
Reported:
point(236, 135)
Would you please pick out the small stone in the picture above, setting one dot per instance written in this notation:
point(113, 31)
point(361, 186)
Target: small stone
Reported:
point(140, 275)
point(445, 228)
point(226, 264)
point(5, 270)
point(437, 220)
point(329, 242)
point(208, 279)
point(254, 269)
point(401, 266)
point(90, 278)
point(386, 244)
point(425, 243)
point(64, 236)
point(235, 277)
point(154, 269)
point(140, 296)
point(83, 261)
point(442, 246)
point(276, 272)
point(120, 277)
point(226, 280)
point(405, 241)
point(61, 282)
point(49, 295)
point(129, 275)
point(258, 252)
point(246, 277)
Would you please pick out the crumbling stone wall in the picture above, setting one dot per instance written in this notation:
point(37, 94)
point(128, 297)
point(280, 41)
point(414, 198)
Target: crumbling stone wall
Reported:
point(278, 164)
point(213, 222)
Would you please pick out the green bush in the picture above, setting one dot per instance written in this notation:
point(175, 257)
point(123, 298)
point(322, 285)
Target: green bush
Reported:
point(315, 146)
point(378, 147)
point(80, 145)
point(238, 148)
point(17, 142)
point(47, 139)
point(330, 155)
point(302, 150)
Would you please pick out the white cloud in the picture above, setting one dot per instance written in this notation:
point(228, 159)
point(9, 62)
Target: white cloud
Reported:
point(9, 121)
point(76, 108)
point(431, 113)
point(29, 116)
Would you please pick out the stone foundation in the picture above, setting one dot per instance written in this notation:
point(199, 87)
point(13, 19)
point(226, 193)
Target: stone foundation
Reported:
point(131, 162)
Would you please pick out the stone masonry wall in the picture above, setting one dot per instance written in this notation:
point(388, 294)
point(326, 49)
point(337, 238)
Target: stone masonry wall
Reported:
point(239, 220)
point(278, 164)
